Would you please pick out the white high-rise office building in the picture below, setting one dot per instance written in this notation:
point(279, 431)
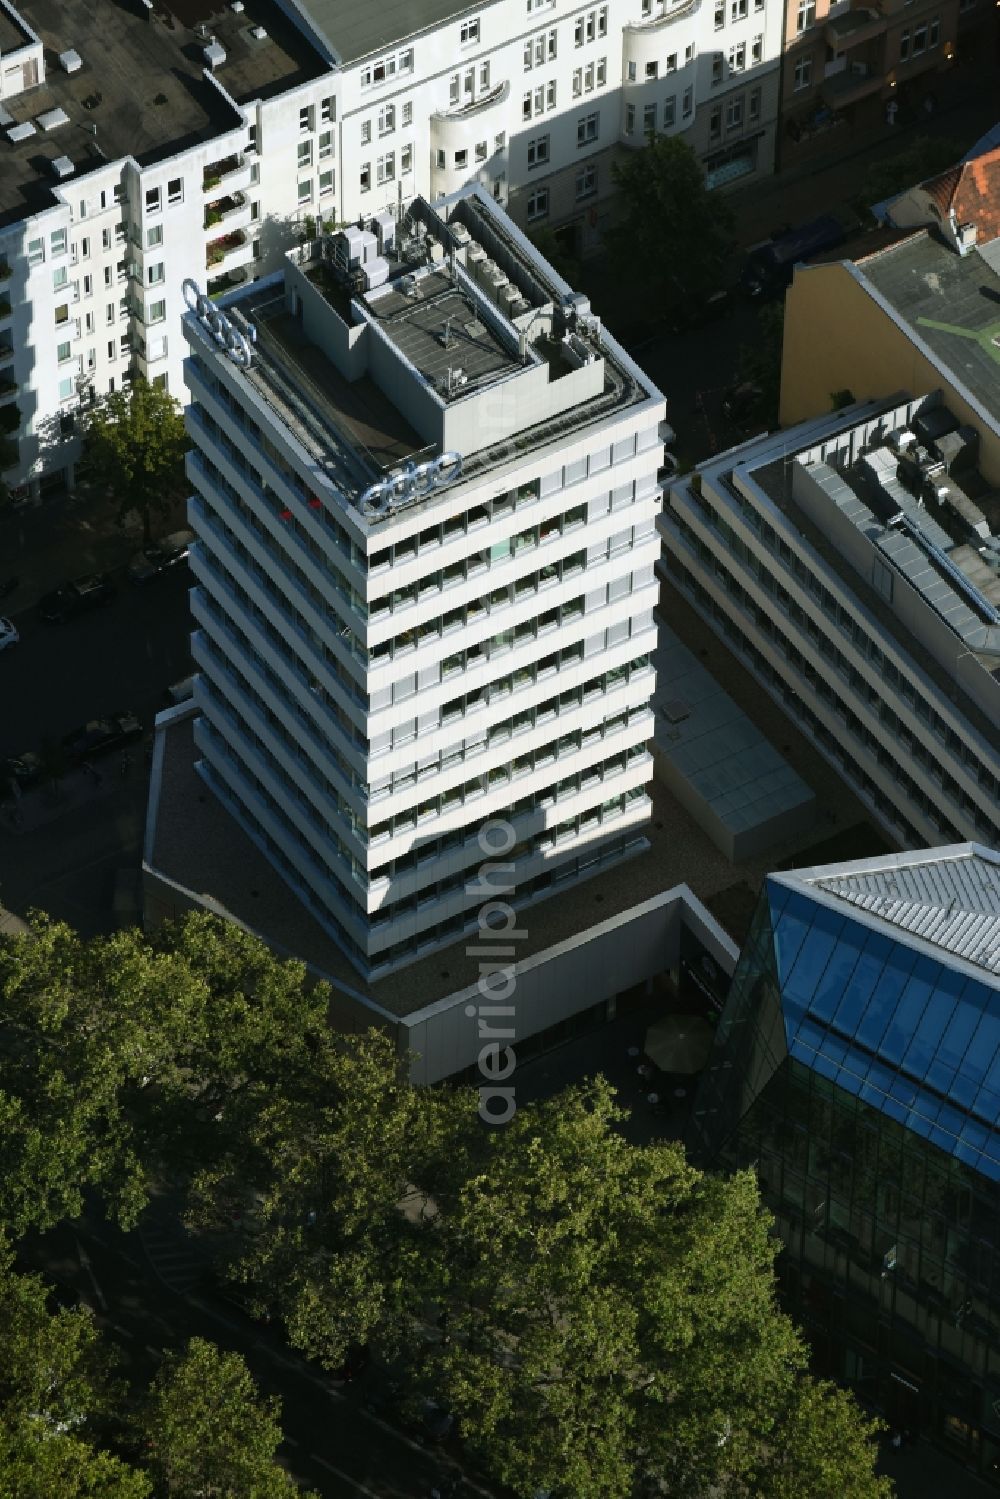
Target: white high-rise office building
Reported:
point(425, 496)
point(145, 144)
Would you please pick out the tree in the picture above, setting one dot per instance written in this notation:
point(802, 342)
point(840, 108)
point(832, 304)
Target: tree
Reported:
point(759, 363)
point(309, 1138)
point(922, 158)
point(56, 1390)
point(134, 439)
point(612, 1321)
point(209, 1433)
point(85, 1029)
point(674, 234)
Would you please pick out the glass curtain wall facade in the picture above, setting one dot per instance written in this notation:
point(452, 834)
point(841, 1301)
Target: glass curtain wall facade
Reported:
point(856, 1074)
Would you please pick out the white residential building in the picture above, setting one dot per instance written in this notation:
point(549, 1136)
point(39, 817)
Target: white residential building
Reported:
point(853, 565)
point(425, 496)
point(214, 132)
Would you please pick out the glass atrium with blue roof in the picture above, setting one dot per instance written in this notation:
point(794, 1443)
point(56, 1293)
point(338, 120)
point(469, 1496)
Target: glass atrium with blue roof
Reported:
point(857, 1067)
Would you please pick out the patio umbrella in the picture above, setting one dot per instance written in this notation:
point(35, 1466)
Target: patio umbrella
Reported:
point(679, 1043)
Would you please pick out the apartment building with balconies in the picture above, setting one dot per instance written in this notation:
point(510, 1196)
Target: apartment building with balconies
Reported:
point(848, 64)
point(425, 491)
point(220, 134)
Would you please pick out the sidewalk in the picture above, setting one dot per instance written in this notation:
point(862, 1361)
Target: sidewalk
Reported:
point(77, 788)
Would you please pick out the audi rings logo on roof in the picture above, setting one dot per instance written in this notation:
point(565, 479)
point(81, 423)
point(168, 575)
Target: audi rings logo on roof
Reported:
point(228, 337)
point(411, 481)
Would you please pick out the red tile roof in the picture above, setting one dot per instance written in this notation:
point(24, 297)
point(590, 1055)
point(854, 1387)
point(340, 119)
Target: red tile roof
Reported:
point(973, 191)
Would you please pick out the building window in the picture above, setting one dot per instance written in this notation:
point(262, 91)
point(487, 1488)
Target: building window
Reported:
point(365, 175)
point(406, 160)
point(588, 78)
point(156, 312)
point(58, 242)
point(738, 58)
point(469, 33)
point(60, 278)
point(602, 21)
point(904, 44)
point(305, 117)
point(538, 151)
point(720, 14)
point(588, 128)
point(672, 63)
point(154, 274)
point(715, 123)
point(64, 352)
point(484, 76)
point(734, 113)
point(631, 72)
point(66, 388)
point(803, 74)
point(805, 15)
point(689, 53)
point(550, 95)
point(577, 82)
point(526, 107)
point(934, 33)
point(649, 119)
point(461, 158)
point(305, 154)
point(669, 111)
point(586, 182)
point(652, 69)
point(441, 160)
point(62, 313)
point(538, 204)
point(386, 167)
point(326, 183)
point(325, 145)
point(328, 110)
point(482, 151)
point(175, 190)
point(406, 114)
point(738, 10)
point(153, 204)
point(717, 68)
point(920, 39)
point(366, 132)
point(602, 72)
point(88, 286)
point(454, 88)
point(754, 110)
point(154, 236)
point(500, 141)
point(387, 119)
point(757, 49)
point(630, 119)
point(687, 103)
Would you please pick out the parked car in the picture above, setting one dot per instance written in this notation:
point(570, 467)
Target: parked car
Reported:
point(101, 735)
point(76, 597)
point(160, 556)
point(741, 402)
point(769, 267)
point(8, 634)
point(24, 771)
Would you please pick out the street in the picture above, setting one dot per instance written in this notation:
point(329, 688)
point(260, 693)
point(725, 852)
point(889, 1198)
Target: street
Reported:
point(335, 1443)
point(70, 841)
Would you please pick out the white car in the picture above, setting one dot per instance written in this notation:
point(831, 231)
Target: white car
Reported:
point(8, 634)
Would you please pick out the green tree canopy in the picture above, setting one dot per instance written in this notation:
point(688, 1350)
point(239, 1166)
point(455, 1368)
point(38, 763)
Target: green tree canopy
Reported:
point(612, 1322)
point(674, 235)
point(208, 1432)
point(134, 441)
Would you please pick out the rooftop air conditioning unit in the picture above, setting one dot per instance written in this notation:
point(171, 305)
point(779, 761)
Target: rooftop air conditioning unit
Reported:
point(258, 33)
point(214, 54)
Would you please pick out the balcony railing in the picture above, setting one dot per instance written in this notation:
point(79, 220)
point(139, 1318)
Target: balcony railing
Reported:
point(218, 249)
point(224, 208)
point(217, 173)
